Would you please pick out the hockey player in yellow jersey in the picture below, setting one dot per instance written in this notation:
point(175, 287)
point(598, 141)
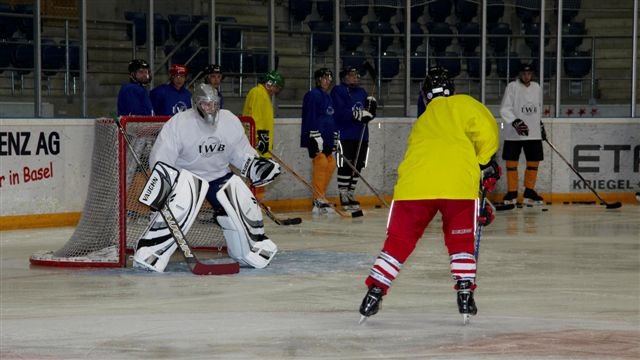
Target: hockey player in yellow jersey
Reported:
point(450, 143)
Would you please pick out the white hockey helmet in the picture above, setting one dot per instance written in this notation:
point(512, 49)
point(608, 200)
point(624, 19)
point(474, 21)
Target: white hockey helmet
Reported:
point(206, 101)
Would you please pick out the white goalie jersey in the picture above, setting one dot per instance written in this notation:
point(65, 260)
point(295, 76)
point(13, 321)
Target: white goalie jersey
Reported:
point(187, 142)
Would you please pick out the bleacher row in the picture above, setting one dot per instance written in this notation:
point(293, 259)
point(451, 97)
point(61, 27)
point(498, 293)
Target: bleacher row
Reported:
point(443, 32)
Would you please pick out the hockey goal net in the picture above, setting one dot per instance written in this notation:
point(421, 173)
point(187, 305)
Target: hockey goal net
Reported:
point(113, 220)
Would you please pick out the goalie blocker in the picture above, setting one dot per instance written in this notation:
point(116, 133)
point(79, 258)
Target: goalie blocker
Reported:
point(242, 224)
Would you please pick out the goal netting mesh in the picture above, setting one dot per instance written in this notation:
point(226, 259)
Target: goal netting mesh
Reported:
point(113, 220)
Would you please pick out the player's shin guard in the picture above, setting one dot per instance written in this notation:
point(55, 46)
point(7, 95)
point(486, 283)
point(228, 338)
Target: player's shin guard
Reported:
point(154, 257)
point(242, 225)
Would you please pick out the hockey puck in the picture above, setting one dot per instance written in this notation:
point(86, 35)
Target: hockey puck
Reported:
point(545, 209)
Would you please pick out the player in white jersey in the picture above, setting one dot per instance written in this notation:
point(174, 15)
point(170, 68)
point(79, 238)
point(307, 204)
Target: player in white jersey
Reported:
point(206, 140)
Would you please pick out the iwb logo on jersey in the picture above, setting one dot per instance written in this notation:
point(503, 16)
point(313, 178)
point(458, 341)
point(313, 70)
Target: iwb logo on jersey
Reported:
point(210, 146)
point(529, 108)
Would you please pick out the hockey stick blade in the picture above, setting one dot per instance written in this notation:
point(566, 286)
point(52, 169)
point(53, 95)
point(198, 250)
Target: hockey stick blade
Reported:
point(614, 205)
point(277, 220)
point(291, 221)
point(503, 207)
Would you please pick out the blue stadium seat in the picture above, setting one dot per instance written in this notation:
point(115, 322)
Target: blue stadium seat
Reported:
point(572, 35)
point(161, 30)
point(570, 9)
point(499, 37)
point(466, 10)
point(325, 10)
point(355, 59)
point(528, 10)
point(8, 24)
point(449, 60)
point(6, 51)
point(474, 64)
point(495, 11)
point(549, 65)
point(416, 12)
point(22, 59)
point(440, 41)
point(418, 66)
point(439, 10)
point(385, 10)
point(352, 37)
point(577, 64)
point(471, 42)
point(508, 67)
point(532, 39)
point(230, 61)
point(25, 25)
point(140, 24)
point(389, 65)
point(53, 57)
point(300, 9)
point(181, 25)
point(376, 29)
point(416, 29)
point(322, 32)
point(355, 10)
point(230, 38)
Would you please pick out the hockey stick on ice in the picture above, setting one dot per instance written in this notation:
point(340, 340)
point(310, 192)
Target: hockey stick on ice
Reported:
point(356, 172)
point(340, 212)
point(276, 219)
point(197, 267)
point(614, 205)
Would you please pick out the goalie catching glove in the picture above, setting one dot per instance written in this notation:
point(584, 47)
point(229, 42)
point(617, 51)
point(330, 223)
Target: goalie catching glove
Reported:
point(260, 171)
point(491, 172)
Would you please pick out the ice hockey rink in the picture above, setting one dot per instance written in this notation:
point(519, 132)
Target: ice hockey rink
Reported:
point(556, 284)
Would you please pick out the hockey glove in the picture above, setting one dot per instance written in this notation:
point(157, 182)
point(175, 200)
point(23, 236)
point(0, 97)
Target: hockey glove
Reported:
point(491, 172)
point(521, 128)
point(260, 171)
point(362, 115)
point(263, 141)
point(543, 132)
point(315, 143)
point(486, 215)
point(371, 104)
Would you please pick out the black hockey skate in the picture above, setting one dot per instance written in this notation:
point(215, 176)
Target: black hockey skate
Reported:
point(466, 303)
point(371, 302)
point(531, 198)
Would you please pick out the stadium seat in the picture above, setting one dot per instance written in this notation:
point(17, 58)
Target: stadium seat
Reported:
point(439, 10)
point(53, 57)
point(499, 37)
point(471, 42)
point(508, 67)
point(572, 36)
point(419, 66)
point(474, 64)
point(6, 51)
point(495, 11)
point(325, 9)
point(416, 12)
point(377, 29)
point(139, 21)
point(322, 32)
point(440, 41)
point(352, 35)
point(229, 37)
point(449, 60)
point(570, 9)
point(417, 33)
point(22, 59)
point(549, 65)
point(466, 10)
point(300, 9)
point(230, 61)
point(389, 65)
point(355, 10)
point(8, 24)
point(355, 59)
point(532, 39)
point(385, 10)
point(181, 25)
point(25, 25)
point(528, 10)
point(577, 64)
point(161, 30)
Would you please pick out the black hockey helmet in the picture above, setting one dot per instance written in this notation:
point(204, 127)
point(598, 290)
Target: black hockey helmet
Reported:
point(526, 67)
point(212, 69)
point(348, 69)
point(137, 64)
point(318, 74)
point(437, 83)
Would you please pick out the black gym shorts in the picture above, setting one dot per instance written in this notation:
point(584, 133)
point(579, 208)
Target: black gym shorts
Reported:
point(532, 150)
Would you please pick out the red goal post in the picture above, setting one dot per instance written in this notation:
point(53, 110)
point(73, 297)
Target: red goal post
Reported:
point(112, 219)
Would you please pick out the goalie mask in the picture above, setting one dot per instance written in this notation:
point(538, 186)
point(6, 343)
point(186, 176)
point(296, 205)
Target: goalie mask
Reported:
point(207, 102)
point(437, 83)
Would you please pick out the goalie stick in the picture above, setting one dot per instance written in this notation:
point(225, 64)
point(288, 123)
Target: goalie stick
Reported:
point(197, 267)
point(340, 212)
point(277, 220)
point(614, 205)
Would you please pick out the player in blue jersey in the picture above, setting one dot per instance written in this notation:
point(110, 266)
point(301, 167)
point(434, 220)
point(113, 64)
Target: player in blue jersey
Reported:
point(353, 111)
point(133, 98)
point(172, 98)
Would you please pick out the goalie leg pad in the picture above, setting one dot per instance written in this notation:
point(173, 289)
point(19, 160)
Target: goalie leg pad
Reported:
point(154, 257)
point(242, 225)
